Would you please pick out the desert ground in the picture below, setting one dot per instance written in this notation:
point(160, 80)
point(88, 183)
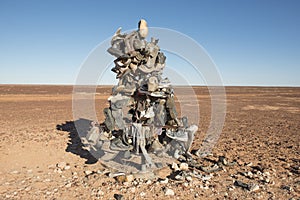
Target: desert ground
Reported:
point(43, 158)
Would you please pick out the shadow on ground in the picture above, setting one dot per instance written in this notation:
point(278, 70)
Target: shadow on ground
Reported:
point(75, 145)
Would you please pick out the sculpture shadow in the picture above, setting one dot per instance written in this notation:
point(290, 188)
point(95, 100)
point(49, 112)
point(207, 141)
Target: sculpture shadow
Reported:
point(75, 145)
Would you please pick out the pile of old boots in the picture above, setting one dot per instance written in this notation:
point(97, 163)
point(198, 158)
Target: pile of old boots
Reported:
point(142, 116)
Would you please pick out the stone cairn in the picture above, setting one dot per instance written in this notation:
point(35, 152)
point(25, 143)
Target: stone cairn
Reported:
point(142, 118)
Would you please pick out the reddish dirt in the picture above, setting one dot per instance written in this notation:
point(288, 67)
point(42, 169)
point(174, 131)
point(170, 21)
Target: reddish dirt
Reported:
point(261, 133)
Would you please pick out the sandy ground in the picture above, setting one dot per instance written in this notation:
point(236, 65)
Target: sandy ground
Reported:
point(42, 157)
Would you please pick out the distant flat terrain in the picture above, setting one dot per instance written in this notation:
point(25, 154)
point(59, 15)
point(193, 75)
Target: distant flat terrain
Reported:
point(261, 132)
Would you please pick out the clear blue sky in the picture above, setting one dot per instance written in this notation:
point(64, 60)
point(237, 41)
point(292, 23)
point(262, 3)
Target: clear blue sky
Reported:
point(251, 42)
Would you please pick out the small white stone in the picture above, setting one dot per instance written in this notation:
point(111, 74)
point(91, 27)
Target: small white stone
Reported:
point(205, 177)
point(68, 185)
point(67, 167)
point(165, 181)
point(189, 178)
point(61, 165)
point(88, 172)
point(175, 166)
point(142, 194)
point(100, 193)
point(169, 192)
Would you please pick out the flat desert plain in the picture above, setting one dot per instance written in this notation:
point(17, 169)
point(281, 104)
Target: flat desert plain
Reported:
point(41, 156)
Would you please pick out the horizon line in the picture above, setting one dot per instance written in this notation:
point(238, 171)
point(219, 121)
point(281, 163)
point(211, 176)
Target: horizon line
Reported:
point(107, 85)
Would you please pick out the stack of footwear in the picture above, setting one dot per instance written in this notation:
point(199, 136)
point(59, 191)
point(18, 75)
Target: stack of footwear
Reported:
point(142, 111)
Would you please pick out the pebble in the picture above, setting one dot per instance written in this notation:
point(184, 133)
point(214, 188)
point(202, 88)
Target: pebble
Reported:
point(68, 185)
point(67, 167)
point(249, 174)
point(142, 194)
point(286, 187)
point(88, 172)
point(164, 181)
point(100, 193)
point(267, 180)
point(189, 178)
point(175, 167)
point(206, 177)
point(118, 197)
point(179, 177)
point(266, 174)
point(254, 188)
point(169, 192)
point(184, 166)
point(61, 165)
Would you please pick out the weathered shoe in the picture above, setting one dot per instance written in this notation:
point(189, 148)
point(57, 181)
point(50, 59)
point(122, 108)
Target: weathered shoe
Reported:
point(179, 135)
point(117, 145)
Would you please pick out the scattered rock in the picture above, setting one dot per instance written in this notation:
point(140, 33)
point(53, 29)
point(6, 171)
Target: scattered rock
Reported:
point(253, 188)
point(164, 181)
point(175, 167)
point(169, 192)
point(179, 177)
point(142, 194)
point(206, 177)
point(100, 193)
point(88, 172)
point(68, 185)
point(184, 166)
point(286, 187)
point(241, 184)
point(189, 178)
point(67, 167)
point(61, 165)
point(118, 197)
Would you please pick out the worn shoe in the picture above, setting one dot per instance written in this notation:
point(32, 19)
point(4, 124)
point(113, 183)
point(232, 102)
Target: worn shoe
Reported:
point(117, 145)
point(179, 135)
